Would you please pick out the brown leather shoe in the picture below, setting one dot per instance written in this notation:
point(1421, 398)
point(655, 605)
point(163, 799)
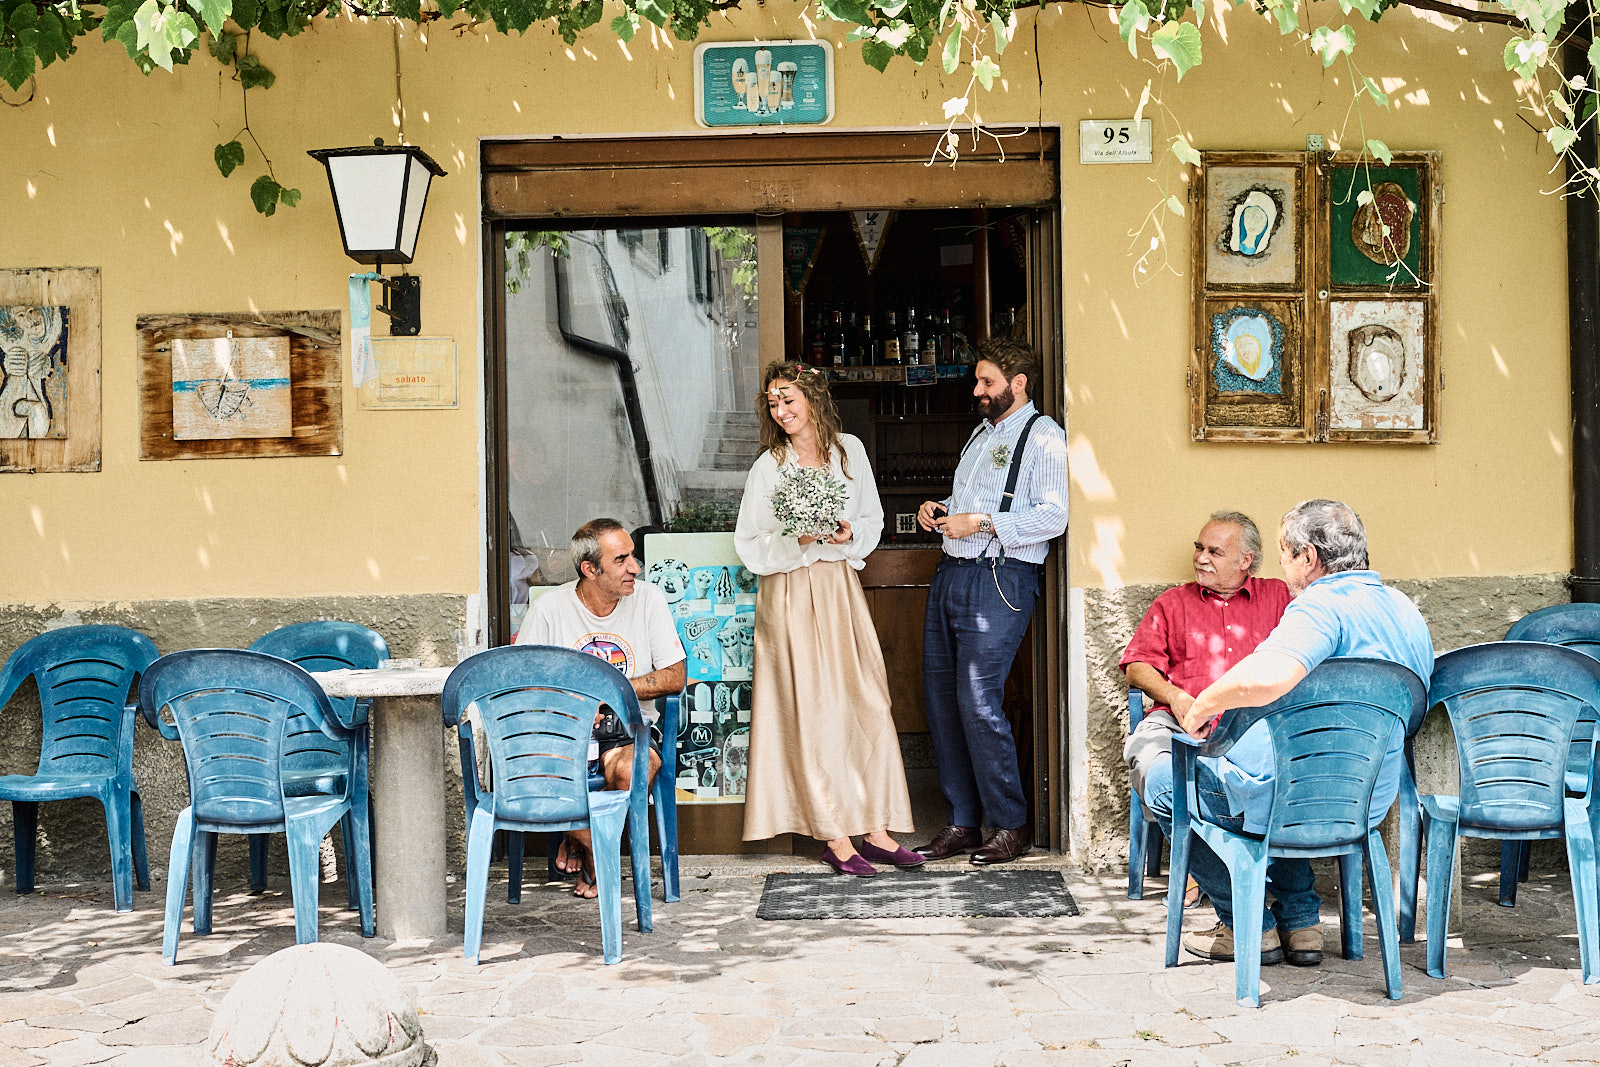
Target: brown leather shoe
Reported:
point(951, 840)
point(1004, 846)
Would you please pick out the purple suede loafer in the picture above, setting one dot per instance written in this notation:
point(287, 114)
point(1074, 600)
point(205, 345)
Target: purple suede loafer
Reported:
point(900, 857)
point(854, 865)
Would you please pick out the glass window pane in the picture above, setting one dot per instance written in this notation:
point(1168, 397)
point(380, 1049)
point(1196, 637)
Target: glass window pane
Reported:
point(631, 367)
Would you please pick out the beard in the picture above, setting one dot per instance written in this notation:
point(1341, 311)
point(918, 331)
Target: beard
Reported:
point(992, 407)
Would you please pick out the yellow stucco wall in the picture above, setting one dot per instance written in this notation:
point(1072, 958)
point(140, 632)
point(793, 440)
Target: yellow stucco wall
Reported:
point(136, 195)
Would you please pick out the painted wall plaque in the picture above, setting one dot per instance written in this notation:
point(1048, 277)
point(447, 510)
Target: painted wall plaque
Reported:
point(1253, 225)
point(1377, 379)
point(1254, 364)
point(1375, 226)
point(763, 83)
point(33, 375)
point(229, 388)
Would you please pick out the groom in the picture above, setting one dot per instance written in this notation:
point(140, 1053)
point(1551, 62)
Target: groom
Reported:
point(1009, 500)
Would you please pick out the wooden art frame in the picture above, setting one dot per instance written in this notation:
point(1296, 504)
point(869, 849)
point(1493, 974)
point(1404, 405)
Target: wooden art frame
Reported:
point(1315, 303)
point(74, 366)
point(316, 405)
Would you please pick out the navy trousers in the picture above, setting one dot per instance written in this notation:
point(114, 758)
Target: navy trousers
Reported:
point(977, 614)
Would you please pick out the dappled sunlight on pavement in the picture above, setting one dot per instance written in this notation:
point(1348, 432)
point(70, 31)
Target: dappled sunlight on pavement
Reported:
point(80, 984)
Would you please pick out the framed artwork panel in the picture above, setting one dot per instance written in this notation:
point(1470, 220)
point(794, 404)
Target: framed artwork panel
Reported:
point(1381, 380)
point(228, 386)
point(1252, 369)
point(1378, 225)
point(50, 369)
point(1252, 221)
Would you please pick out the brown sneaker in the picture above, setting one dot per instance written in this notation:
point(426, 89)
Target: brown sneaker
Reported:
point(1303, 947)
point(1217, 944)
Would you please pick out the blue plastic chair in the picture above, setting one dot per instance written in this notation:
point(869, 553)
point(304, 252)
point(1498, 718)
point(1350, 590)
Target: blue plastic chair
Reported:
point(1144, 836)
point(537, 706)
point(1575, 626)
point(1409, 807)
point(663, 797)
point(1329, 737)
point(313, 763)
point(232, 710)
point(1514, 706)
point(84, 675)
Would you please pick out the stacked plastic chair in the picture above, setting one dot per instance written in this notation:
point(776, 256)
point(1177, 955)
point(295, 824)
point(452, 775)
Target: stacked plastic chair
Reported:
point(1144, 835)
point(314, 763)
point(231, 709)
point(536, 706)
point(84, 675)
point(1329, 736)
point(1515, 707)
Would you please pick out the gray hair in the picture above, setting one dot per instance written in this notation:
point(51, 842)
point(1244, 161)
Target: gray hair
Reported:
point(1332, 529)
point(586, 543)
point(1249, 534)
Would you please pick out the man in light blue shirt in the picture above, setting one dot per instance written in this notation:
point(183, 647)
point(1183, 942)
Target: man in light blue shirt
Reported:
point(1340, 608)
point(1008, 502)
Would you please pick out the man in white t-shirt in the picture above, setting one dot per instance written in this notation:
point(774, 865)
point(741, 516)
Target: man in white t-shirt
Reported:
point(608, 612)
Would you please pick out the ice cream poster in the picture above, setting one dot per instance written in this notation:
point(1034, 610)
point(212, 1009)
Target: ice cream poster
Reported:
point(713, 601)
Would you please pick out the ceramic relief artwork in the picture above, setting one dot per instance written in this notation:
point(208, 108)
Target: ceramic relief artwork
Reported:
point(1253, 360)
point(1253, 218)
point(1375, 226)
point(1376, 365)
point(1247, 350)
point(33, 389)
point(228, 388)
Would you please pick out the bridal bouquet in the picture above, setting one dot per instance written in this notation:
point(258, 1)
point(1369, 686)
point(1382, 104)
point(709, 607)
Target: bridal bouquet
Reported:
point(808, 501)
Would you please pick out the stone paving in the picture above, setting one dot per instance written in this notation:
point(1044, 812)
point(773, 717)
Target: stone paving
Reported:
point(82, 985)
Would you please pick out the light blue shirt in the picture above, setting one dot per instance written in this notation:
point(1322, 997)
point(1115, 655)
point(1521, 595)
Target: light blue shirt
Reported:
point(1038, 509)
point(1351, 613)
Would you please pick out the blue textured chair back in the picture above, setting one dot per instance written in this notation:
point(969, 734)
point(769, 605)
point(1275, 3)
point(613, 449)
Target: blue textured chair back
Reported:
point(1573, 626)
point(1513, 706)
point(1329, 736)
point(84, 675)
point(324, 645)
point(230, 708)
point(539, 735)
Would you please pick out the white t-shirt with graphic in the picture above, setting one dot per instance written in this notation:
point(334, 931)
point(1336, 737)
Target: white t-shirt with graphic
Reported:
point(636, 638)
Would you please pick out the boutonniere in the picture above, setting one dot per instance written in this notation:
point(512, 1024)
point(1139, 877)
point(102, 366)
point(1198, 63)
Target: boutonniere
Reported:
point(1000, 455)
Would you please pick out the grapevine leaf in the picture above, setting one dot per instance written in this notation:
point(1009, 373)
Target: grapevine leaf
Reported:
point(289, 197)
point(987, 70)
point(228, 157)
point(213, 13)
point(264, 193)
point(876, 54)
point(655, 10)
point(1377, 94)
point(1001, 28)
point(1175, 205)
point(852, 11)
point(1179, 42)
point(1130, 20)
point(625, 25)
point(1560, 138)
point(224, 46)
point(1185, 151)
point(1331, 44)
point(252, 75)
point(1380, 150)
point(952, 51)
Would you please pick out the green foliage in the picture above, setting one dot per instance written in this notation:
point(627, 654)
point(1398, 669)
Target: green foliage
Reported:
point(229, 157)
point(1179, 42)
point(704, 516)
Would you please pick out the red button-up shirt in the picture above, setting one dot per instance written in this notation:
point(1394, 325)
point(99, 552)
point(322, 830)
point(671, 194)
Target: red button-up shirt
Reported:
point(1192, 636)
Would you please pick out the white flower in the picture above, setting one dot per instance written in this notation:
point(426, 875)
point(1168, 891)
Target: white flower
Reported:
point(1000, 455)
point(808, 501)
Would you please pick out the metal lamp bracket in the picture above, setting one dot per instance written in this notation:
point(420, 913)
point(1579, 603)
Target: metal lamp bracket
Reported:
point(402, 302)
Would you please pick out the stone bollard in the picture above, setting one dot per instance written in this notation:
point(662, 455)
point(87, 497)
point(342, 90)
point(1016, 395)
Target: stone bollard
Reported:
point(318, 1006)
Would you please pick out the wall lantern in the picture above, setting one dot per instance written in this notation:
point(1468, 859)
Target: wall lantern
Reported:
point(378, 194)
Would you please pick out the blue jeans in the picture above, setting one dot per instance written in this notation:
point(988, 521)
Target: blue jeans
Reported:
point(977, 614)
point(1289, 881)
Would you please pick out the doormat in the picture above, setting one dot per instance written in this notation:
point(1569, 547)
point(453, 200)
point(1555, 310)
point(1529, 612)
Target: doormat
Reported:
point(1019, 894)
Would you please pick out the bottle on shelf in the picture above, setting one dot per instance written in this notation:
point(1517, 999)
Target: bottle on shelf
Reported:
point(816, 345)
point(947, 338)
point(891, 344)
point(869, 343)
point(853, 355)
point(930, 340)
point(911, 341)
point(836, 341)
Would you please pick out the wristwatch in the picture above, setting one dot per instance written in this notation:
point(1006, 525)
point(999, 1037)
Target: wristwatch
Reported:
point(985, 524)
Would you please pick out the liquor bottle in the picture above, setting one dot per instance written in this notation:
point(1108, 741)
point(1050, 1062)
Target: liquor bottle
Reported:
point(815, 350)
point(836, 342)
point(891, 344)
point(853, 354)
point(911, 341)
point(930, 340)
point(947, 338)
point(869, 343)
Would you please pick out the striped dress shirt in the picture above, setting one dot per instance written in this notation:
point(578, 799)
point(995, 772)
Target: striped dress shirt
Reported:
point(1038, 510)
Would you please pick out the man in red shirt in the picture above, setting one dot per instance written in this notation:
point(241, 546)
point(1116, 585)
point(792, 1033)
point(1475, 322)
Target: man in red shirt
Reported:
point(1188, 639)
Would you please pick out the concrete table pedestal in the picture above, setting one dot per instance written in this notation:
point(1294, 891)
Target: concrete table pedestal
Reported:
point(407, 776)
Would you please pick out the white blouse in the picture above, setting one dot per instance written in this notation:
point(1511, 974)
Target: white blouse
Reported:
point(766, 551)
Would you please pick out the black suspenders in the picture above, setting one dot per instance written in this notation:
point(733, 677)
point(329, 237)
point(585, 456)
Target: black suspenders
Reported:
point(1016, 462)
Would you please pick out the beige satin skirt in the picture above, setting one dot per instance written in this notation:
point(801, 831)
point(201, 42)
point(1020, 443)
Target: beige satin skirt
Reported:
point(824, 755)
